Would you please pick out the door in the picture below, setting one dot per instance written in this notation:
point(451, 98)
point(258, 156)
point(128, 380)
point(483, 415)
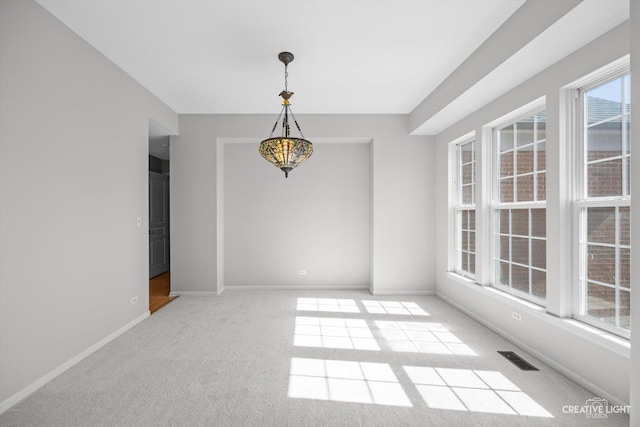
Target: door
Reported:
point(158, 224)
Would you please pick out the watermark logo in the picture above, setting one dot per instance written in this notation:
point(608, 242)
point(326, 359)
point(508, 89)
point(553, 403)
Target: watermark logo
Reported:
point(596, 407)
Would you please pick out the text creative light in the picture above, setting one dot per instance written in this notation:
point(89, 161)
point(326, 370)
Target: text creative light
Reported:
point(285, 151)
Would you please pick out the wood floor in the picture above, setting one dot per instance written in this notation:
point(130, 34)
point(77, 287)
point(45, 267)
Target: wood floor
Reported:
point(159, 288)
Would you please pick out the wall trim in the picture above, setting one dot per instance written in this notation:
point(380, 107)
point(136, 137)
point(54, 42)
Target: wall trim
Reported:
point(294, 287)
point(552, 363)
point(194, 294)
point(25, 392)
point(399, 293)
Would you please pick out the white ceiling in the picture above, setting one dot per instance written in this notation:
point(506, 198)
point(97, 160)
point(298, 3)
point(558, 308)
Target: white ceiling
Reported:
point(352, 56)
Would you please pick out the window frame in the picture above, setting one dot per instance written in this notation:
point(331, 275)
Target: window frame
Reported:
point(530, 110)
point(459, 206)
point(581, 202)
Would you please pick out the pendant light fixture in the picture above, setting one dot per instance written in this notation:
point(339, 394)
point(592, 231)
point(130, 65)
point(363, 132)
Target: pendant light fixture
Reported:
point(286, 152)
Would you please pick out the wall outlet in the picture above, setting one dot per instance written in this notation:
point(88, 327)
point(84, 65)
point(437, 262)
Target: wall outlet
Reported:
point(302, 272)
point(134, 300)
point(516, 315)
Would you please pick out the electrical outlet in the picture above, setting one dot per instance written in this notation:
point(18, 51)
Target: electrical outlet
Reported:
point(302, 272)
point(516, 315)
point(134, 300)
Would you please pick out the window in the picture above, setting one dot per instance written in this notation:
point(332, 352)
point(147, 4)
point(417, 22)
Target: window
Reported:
point(519, 207)
point(602, 205)
point(465, 212)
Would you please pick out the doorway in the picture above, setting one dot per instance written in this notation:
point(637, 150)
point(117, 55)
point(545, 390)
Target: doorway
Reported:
point(159, 220)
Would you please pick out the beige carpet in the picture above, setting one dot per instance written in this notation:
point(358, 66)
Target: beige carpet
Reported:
point(305, 358)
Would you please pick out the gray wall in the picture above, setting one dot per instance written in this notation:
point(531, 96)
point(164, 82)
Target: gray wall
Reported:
point(401, 169)
point(596, 362)
point(318, 219)
point(72, 256)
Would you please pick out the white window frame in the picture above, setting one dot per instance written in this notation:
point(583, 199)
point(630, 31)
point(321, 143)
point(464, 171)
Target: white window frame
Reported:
point(459, 207)
point(527, 111)
point(581, 202)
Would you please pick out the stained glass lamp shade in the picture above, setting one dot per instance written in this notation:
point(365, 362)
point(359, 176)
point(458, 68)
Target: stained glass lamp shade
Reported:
point(286, 152)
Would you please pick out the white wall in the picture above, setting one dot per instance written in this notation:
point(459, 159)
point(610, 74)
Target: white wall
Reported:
point(73, 179)
point(402, 212)
point(317, 220)
point(594, 361)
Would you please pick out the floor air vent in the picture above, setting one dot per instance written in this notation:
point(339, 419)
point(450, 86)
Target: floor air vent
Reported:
point(518, 361)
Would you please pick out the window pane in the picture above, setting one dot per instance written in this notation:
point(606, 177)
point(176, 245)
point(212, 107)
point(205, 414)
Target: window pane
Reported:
point(520, 222)
point(539, 222)
point(472, 219)
point(503, 220)
point(542, 156)
point(625, 310)
point(522, 179)
point(539, 253)
point(503, 273)
point(539, 283)
point(467, 195)
point(627, 165)
point(627, 126)
point(520, 250)
point(604, 178)
point(541, 119)
point(506, 190)
point(625, 268)
point(601, 302)
point(472, 241)
point(505, 136)
point(467, 174)
point(624, 226)
point(464, 221)
point(601, 264)
point(524, 132)
point(520, 278)
point(506, 164)
point(607, 252)
point(464, 261)
point(504, 248)
point(541, 184)
point(604, 101)
point(627, 92)
point(604, 140)
point(524, 158)
point(525, 188)
point(467, 153)
point(601, 225)
point(465, 241)
point(472, 264)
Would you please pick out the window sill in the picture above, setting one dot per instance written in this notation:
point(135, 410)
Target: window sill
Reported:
point(604, 339)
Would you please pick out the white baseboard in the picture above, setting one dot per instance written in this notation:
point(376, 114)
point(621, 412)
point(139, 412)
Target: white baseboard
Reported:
point(194, 294)
point(299, 288)
point(25, 392)
point(400, 293)
point(555, 365)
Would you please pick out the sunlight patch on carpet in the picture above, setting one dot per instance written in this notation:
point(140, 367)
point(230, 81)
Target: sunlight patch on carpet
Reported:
point(472, 390)
point(419, 337)
point(393, 307)
point(325, 332)
point(346, 381)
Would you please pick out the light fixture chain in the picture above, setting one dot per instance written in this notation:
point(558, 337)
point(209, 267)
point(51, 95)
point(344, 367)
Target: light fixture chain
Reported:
point(296, 122)
point(276, 123)
point(286, 75)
